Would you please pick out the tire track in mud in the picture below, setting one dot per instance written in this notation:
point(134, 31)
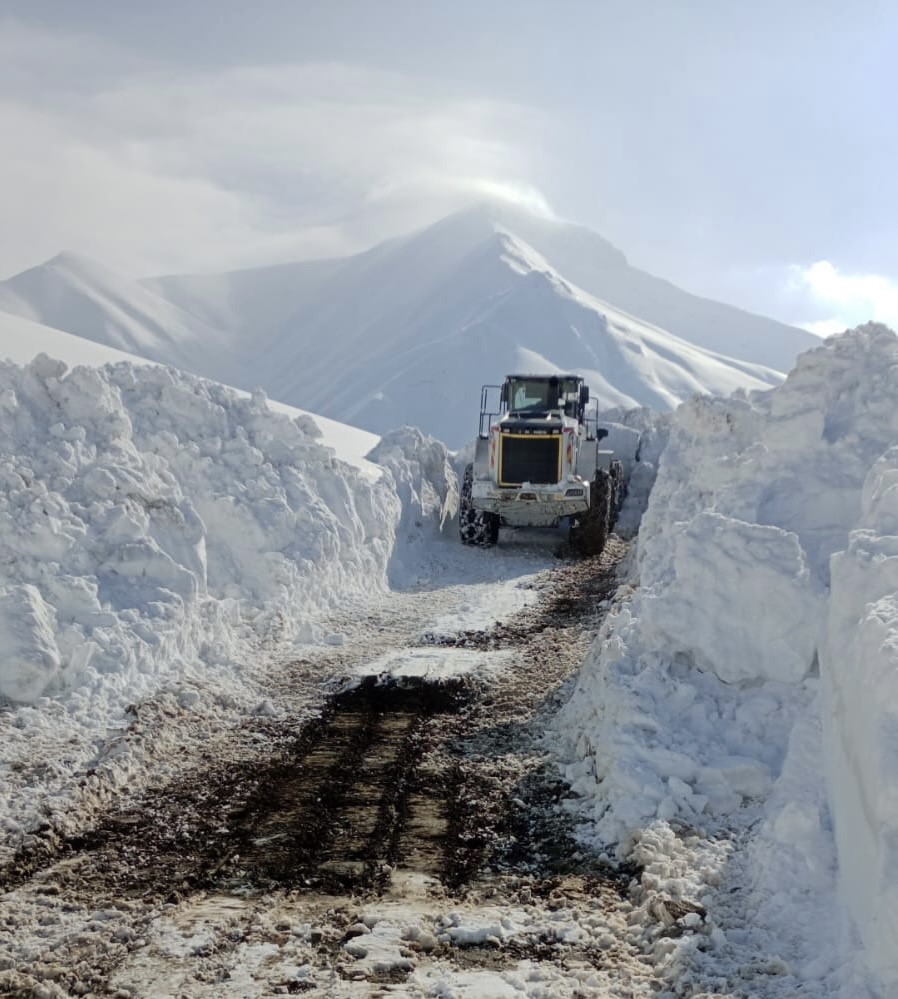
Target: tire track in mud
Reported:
point(329, 813)
point(337, 819)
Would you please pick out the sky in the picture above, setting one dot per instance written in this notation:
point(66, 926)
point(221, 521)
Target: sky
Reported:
point(744, 152)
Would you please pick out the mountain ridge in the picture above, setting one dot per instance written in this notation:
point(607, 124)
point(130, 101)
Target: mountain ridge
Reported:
point(78, 295)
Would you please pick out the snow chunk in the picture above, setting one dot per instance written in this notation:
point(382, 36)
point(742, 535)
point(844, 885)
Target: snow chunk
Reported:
point(29, 658)
point(769, 631)
point(428, 487)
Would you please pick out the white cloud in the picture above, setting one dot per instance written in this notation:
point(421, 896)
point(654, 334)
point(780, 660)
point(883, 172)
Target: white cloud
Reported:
point(845, 300)
point(153, 170)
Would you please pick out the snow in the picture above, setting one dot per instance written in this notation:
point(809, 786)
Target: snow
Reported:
point(30, 654)
point(714, 555)
point(21, 340)
point(746, 689)
point(859, 663)
point(87, 299)
point(432, 664)
point(428, 488)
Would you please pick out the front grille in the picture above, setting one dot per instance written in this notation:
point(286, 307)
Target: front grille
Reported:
point(529, 459)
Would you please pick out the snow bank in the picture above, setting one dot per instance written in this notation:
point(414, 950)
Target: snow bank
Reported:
point(637, 437)
point(859, 660)
point(427, 485)
point(150, 520)
point(691, 702)
point(740, 600)
point(162, 539)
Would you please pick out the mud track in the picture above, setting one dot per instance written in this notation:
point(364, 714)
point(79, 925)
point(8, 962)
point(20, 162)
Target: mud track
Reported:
point(439, 781)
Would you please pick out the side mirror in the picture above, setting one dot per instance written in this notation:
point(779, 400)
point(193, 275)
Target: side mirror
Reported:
point(584, 395)
point(601, 433)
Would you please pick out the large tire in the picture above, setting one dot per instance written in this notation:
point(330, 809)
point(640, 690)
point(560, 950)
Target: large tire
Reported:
point(475, 527)
point(590, 531)
point(619, 491)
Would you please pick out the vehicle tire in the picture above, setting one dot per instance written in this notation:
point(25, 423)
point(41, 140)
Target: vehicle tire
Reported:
point(618, 493)
point(590, 532)
point(475, 527)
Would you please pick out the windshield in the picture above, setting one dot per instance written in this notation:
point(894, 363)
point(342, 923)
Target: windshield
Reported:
point(541, 394)
point(528, 395)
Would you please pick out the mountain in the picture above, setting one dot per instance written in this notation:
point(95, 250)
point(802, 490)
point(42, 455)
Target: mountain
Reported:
point(502, 308)
point(263, 297)
point(80, 296)
point(593, 264)
point(269, 296)
point(407, 331)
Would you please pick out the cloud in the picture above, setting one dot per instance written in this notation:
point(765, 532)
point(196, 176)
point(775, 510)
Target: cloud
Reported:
point(153, 170)
point(843, 300)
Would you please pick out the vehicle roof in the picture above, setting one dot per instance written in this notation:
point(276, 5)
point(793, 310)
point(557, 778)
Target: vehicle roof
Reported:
point(544, 377)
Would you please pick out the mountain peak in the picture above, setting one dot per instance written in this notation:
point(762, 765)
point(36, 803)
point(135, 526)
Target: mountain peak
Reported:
point(67, 258)
point(82, 265)
point(552, 236)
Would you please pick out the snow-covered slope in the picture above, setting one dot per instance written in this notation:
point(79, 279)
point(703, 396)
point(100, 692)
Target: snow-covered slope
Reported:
point(407, 331)
point(590, 262)
point(263, 298)
point(429, 370)
point(21, 340)
point(85, 298)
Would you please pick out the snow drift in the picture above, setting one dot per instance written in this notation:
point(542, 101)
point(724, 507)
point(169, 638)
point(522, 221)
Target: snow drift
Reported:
point(766, 561)
point(152, 521)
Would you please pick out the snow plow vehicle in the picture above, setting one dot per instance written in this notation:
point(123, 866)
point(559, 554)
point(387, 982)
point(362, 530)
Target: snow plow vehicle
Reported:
point(537, 462)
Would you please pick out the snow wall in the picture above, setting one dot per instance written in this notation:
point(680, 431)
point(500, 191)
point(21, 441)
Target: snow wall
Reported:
point(859, 660)
point(763, 639)
point(155, 525)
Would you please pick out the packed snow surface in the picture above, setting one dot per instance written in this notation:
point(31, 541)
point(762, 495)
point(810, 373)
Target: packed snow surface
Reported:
point(762, 639)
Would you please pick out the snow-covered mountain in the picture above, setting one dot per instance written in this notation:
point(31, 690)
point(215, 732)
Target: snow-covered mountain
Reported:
point(80, 296)
point(406, 332)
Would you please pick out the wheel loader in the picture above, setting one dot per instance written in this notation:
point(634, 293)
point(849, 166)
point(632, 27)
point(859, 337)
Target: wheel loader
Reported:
point(537, 462)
